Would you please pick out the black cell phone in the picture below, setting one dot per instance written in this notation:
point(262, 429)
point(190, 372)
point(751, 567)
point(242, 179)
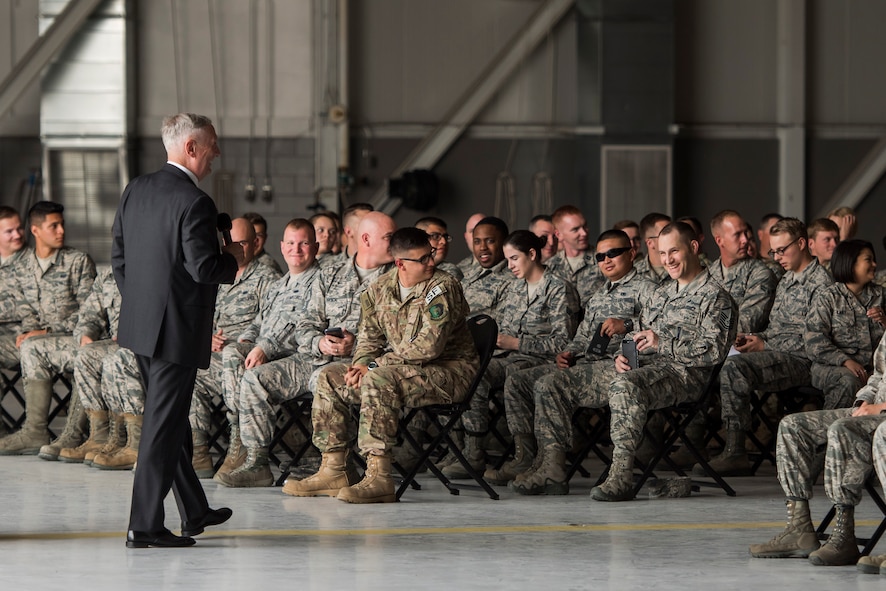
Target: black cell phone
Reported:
point(599, 343)
point(335, 332)
point(629, 350)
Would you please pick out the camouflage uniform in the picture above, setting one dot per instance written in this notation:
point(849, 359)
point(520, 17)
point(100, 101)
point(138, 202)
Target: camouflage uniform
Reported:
point(236, 306)
point(544, 326)
point(752, 285)
point(880, 278)
point(284, 331)
point(452, 269)
point(835, 440)
point(122, 388)
point(467, 263)
point(556, 393)
point(838, 329)
point(10, 322)
point(695, 326)
point(587, 279)
point(657, 275)
point(784, 362)
point(485, 289)
point(268, 261)
point(424, 352)
point(773, 266)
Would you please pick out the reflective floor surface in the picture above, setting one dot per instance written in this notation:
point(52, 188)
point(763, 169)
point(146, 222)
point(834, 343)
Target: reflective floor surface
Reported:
point(62, 527)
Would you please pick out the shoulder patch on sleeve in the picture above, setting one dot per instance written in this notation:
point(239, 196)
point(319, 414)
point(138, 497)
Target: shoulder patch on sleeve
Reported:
point(437, 311)
point(433, 293)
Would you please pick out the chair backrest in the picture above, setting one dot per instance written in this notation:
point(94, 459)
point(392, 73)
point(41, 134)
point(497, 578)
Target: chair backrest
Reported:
point(484, 331)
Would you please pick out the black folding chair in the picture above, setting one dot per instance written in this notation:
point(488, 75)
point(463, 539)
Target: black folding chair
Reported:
point(484, 330)
point(8, 386)
point(59, 401)
point(789, 401)
point(678, 418)
point(591, 428)
point(870, 542)
point(289, 415)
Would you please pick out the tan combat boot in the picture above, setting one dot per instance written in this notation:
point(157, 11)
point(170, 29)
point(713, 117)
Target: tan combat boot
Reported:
point(871, 564)
point(255, 471)
point(328, 481)
point(377, 485)
point(475, 456)
point(546, 477)
point(33, 434)
point(201, 460)
point(125, 457)
point(98, 437)
point(525, 450)
point(619, 484)
point(73, 434)
point(840, 548)
point(236, 454)
point(797, 540)
point(116, 438)
point(733, 461)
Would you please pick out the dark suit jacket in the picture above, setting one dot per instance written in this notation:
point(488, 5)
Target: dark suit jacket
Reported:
point(169, 270)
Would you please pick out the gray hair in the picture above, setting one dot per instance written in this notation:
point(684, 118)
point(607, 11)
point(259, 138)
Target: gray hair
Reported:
point(179, 127)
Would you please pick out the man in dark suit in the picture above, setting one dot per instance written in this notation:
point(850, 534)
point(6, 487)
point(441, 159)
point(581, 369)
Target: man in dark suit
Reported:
point(168, 265)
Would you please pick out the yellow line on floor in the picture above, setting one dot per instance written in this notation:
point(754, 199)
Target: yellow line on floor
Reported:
point(491, 529)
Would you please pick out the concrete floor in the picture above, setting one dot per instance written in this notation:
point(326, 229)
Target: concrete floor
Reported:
point(62, 527)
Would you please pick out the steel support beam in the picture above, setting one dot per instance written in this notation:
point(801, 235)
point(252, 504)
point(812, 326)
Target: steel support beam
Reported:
point(856, 186)
point(791, 107)
point(45, 47)
point(477, 96)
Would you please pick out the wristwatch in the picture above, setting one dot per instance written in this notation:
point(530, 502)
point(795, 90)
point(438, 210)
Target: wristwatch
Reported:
point(629, 325)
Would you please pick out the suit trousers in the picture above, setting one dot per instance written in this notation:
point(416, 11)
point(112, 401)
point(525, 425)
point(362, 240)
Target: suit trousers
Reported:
point(165, 449)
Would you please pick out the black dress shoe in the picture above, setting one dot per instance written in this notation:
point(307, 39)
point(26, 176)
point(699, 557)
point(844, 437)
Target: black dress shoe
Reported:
point(161, 539)
point(212, 517)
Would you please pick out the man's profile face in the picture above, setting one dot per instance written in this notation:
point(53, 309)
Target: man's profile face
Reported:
point(487, 245)
point(615, 267)
point(732, 238)
point(787, 251)
point(678, 258)
point(823, 245)
point(203, 151)
point(416, 265)
point(50, 233)
point(572, 230)
point(12, 235)
point(240, 233)
point(437, 237)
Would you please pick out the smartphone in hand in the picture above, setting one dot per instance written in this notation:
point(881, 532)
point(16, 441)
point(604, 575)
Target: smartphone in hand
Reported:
point(334, 332)
point(599, 343)
point(629, 350)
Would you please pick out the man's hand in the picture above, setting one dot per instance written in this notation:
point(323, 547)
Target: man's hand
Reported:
point(507, 342)
point(354, 375)
point(876, 314)
point(25, 336)
point(218, 341)
point(565, 360)
point(868, 409)
point(255, 358)
point(621, 363)
point(749, 343)
point(237, 251)
point(613, 326)
point(645, 339)
point(337, 347)
point(857, 370)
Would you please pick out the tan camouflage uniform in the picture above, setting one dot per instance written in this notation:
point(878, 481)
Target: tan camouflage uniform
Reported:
point(838, 329)
point(236, 306)
point(548, 396)
point(835, 440)
point(425, 355)
point(752, 285)
point(784, 362)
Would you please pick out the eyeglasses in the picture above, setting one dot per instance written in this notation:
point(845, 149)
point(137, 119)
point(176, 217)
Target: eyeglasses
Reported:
point(436, 237)
point(611, 253)
point(779, 252)
point(423, 260)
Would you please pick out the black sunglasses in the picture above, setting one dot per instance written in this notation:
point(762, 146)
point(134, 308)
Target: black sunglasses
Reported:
point(611, 253)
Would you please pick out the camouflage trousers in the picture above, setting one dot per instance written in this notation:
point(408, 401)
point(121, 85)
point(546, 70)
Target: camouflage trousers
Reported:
point(46, 355)
point(207, 386)
point(122, 387)
point(829, 439)
point(264, 387)
point(879, 452)
point(636, 392)
point(233, 366)
point(476, 418)
point(556, 396)
point(838, 384)
point(766, 371)
point(88, 373)
point(9, 353)
point(382, 395)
